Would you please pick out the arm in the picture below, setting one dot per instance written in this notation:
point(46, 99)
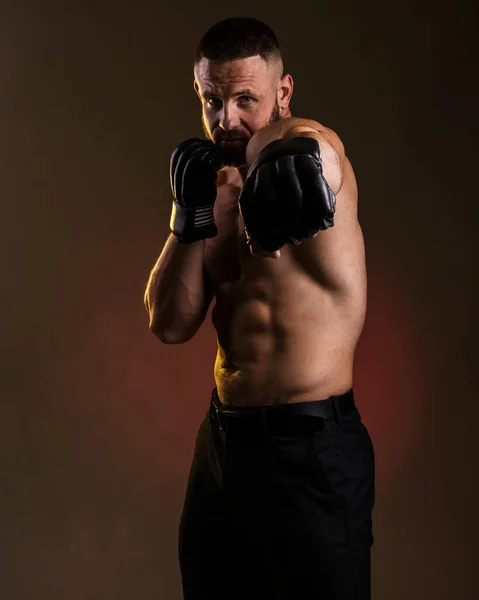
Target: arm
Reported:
point(336, 252)
point(331, 147)
point(178, 294)
point(333, 159)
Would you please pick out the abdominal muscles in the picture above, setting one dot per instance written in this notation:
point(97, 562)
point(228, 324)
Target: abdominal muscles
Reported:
point(282, 339)
point(282, 335)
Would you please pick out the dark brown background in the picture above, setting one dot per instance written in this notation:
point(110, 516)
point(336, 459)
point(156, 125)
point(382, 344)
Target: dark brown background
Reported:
point(98, 418)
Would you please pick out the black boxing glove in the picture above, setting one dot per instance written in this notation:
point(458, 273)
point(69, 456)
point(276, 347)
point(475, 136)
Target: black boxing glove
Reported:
point(193, 174)
point(285, 197)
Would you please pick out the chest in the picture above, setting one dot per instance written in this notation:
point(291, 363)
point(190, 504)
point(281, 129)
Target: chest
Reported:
point(233, 270)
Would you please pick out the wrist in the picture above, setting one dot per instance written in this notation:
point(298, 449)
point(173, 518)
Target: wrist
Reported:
point(192, 223)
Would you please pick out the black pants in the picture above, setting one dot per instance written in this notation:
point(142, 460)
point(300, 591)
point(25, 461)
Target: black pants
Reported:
point(279, 514)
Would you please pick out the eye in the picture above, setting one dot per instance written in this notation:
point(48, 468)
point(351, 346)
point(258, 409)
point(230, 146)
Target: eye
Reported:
point(246, 100)
point(213, 102)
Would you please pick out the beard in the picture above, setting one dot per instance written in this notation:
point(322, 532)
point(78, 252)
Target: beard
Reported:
point(275, 114)
point(235, 155)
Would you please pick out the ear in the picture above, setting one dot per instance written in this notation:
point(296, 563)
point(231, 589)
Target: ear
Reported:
point(197, 89)
point(285, 91)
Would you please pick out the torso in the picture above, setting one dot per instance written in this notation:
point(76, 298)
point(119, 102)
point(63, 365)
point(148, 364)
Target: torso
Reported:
point(287, 329)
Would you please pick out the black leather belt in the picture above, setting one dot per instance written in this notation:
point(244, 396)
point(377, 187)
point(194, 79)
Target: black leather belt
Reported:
point(282, 419)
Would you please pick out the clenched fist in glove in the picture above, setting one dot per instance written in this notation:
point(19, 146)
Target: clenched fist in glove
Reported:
point(193, 174)
point(285, 197)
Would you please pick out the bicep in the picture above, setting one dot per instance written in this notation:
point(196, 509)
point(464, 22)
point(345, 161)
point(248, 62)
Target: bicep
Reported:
point(335, 255)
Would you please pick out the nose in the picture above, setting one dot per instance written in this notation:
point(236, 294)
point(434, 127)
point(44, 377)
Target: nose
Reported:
point(229, 118)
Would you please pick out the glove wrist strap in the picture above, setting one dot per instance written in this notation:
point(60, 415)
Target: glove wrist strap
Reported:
point(191, 224)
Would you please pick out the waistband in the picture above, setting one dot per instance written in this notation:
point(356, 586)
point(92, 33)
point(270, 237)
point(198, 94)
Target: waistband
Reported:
point(281, 418)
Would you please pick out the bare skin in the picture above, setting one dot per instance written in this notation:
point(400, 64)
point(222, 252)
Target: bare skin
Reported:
point(287, 328)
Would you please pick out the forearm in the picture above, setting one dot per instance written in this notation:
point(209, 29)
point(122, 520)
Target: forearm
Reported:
point(175, 296)
point(330, 146)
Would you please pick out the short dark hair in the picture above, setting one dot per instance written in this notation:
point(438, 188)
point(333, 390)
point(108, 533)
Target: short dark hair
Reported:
point(236, 38)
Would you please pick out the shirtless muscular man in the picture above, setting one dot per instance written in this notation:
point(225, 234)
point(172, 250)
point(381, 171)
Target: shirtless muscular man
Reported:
point(281, 488)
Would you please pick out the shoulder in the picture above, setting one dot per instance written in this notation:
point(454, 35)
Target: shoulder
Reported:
point(298, 126)
point(295, 126)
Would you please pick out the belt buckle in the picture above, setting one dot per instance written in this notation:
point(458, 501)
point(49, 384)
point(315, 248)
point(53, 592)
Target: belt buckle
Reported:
point(215, 414)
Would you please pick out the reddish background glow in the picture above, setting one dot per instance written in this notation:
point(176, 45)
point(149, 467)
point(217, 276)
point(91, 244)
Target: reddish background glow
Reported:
point(148, 396)
point(97, 418)
point(389, 374)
